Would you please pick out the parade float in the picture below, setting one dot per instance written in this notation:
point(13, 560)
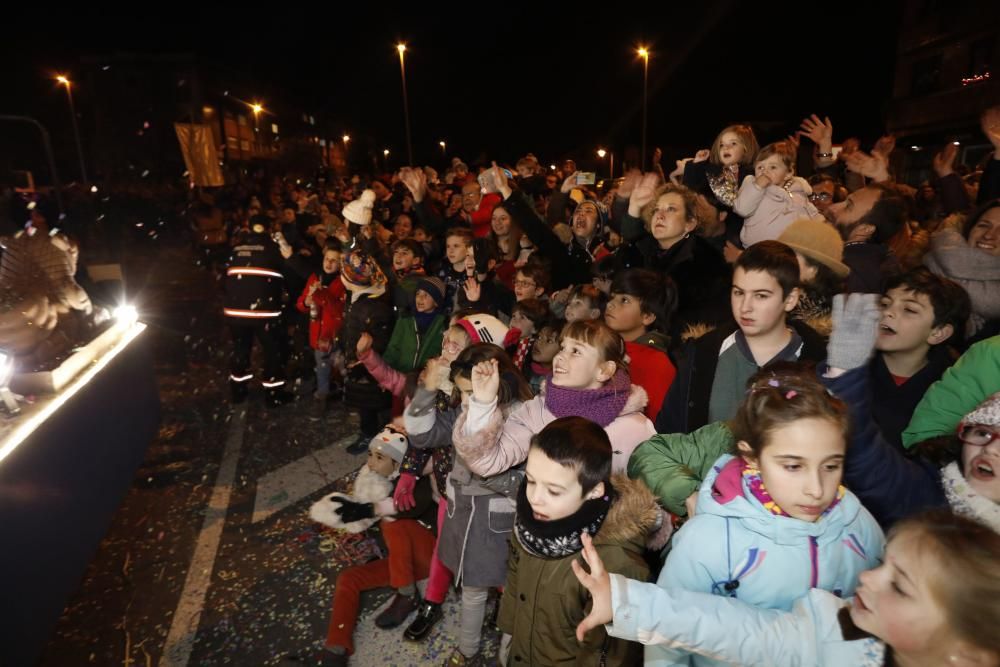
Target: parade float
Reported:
point(78, 408)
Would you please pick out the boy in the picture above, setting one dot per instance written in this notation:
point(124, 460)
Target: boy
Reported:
point(457, 242)
point(568, 490)
point(639, 310)
point(713, 369)
point(409, 539)
point(920, 312)
point(531, 280)
point(407, 270)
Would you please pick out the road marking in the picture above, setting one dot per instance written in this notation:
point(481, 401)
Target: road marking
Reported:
point(292, 482)
point(184, 628)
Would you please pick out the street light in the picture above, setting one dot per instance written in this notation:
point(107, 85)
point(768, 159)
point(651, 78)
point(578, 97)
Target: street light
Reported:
point(601, 153)
point(406, 106)
point(444, 151)
point(385, 159)
point(76, 130)
point(644, 54)
point(346, 138)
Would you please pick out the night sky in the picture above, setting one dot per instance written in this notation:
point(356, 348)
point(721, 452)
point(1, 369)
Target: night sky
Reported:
point(497, 79)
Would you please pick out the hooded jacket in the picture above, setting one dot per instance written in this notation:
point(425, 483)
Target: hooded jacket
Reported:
point(489, 445)
point(734, 546)
point(768, 211)
point(543, 601)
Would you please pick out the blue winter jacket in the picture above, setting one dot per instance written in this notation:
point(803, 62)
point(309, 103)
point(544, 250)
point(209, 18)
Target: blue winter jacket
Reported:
point(732, 632)
point(737, 548)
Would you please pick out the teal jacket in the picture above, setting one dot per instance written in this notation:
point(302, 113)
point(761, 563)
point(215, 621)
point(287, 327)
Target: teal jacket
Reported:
point(409, 349)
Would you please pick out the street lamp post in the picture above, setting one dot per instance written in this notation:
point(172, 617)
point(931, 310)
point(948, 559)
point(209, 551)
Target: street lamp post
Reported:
point(257, 108)
point(385, 159)
point(76, 130)
point(644, 54)
point(601, 153)
point(444, 150)
point(406, 106)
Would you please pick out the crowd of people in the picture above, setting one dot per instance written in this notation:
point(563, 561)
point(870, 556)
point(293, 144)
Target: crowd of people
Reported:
point(744, 412)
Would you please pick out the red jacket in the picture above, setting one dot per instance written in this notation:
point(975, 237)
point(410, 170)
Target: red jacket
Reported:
point(652, 370)
point(330, 301)
point(483, 216)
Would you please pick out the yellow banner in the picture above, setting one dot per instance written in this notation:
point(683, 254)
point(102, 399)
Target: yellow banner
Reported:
point(198, 148)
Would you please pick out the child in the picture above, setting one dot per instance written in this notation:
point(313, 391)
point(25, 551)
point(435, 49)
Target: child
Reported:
point(585, 302)
point(775, 197)
point(569, 491)
point(932, 602)
point(713, 369)
point(528, 316)
point(957, 471)
point(590, 379)
point(407, 269)
point(323, 298)
point(408, 542)
point(531, 280)
point(544, 350)
point(921, 312)
point(457, 242)
point(772, 519)
point(480, 511)
point(482, 289)
point(717, 174)
point(822, 274)
point(368, 311)
point(417, 337)
point(639, 310)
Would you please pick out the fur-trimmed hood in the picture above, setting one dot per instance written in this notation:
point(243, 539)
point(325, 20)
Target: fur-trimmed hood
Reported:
point(632, 516)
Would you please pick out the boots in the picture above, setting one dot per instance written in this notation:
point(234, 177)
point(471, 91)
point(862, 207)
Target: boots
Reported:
point(428, 614)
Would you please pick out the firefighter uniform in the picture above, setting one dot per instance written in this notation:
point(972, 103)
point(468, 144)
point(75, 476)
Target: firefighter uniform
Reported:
point(253, 307)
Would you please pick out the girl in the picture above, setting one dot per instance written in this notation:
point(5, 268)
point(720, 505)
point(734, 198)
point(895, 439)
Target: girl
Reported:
point(772, 519)
point(417, 338)
point(589, 379)
point(717, 174)
point(507, 236)
point(323, 298)
point(932, 602)
point(774, 197)
point(972, 259)
point(544, 350)
point(528, 316)
point(480, 512)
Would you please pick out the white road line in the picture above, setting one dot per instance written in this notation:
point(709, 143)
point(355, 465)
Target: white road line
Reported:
point(184, 628)
point(291, 483)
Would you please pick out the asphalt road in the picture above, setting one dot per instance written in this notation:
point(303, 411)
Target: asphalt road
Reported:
point(212, 558)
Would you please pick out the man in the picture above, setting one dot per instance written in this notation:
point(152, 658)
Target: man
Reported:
point(866, 220)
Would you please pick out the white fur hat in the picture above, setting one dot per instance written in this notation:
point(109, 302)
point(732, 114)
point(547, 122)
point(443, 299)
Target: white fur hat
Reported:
point(390, 442)
point(359, 211)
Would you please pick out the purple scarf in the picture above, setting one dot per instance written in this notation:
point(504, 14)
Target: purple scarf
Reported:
point(602, 405)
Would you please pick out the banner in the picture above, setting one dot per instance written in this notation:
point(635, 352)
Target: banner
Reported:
point(198, 148)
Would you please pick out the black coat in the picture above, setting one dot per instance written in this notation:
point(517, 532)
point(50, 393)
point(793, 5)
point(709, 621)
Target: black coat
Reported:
point(892, 405)
point(374, 315)
point(685, 407)
point(255, 284)
point(699, 270)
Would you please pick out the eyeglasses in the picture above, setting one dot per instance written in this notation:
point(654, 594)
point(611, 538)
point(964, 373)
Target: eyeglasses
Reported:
point(820, 196)
point(524, 283)
point(976, 434)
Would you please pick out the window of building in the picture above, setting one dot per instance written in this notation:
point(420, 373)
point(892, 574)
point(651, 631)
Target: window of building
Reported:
point(925, 77)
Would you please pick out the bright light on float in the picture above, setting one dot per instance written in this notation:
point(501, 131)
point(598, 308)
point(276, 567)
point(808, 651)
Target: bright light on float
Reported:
point(6, 373)
point(126, 314)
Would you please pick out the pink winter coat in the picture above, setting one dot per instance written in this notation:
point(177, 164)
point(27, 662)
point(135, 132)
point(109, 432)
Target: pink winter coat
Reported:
point(769, 211)
point(490, 446)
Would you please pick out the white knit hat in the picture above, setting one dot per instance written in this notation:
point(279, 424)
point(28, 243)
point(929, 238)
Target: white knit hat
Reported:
point(483, 328)
point(359, 211)
point(390, 442)
point(987, 414)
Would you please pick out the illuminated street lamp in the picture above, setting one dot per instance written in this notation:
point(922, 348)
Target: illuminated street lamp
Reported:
point(64, 81)
point(444, 151)
point(406, 106)
point(385, 159)
point(346, 139)
point(644, 54)
point(601, 153)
